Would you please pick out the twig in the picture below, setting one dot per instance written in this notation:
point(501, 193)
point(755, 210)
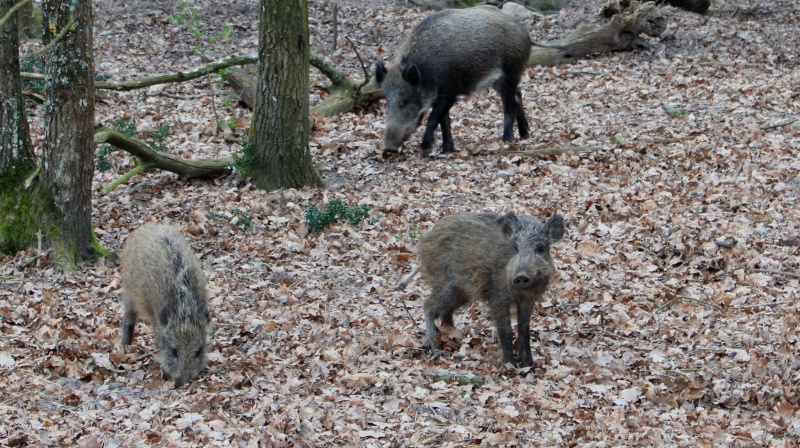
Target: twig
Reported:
point(704, 302)
point(775, 126)
point(335, 25)
point(39, 238)
point(588, 72)
point(360, 60)
point(555, 151)
point(461, 380)
point(770, 271)
point(763, 305)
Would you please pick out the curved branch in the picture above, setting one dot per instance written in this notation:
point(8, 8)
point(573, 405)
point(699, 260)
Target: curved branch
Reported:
point(185, 168)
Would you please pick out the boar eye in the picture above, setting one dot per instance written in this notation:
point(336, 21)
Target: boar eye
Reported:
point(199, 353)
point(515, 247)
point(540, 249)
point(173, 352)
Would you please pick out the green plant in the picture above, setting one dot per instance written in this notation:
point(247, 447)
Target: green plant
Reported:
point(159, 137)
point(336, 211)
point(187, 17)
point(243, 220)
point(242, 160)
point(414, 233)
point(238, 217)
point(231, 122)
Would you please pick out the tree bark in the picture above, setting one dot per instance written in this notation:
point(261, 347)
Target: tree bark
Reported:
point(67, 156)
point(15, 140)
point(279, 133)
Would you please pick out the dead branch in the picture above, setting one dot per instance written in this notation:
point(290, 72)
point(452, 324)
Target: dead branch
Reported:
point(544, 152)
point(784, 273)
point(461, 380)
point(187, 169)
point(344, 92)
point(617, 28)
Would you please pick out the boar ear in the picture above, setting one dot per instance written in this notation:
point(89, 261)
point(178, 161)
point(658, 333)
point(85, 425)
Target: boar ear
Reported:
point(380, 72)
point(554, 227)
point(411, 75)
point(509, 223)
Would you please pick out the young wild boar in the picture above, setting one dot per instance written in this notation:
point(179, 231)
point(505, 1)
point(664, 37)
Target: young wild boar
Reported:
point(502, 260)
point(162, 282)
point(450, 53)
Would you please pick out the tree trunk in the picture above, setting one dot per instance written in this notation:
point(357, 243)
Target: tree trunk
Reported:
point(68, 159)
point(279, 133)
point(15, 140)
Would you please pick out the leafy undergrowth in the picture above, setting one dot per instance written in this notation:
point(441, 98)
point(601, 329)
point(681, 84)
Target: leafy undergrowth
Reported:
point(673, 321)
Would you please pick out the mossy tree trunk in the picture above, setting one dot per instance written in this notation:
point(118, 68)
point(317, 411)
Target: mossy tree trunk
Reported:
point(280, 128)
point(67, 155)
point(15, 140)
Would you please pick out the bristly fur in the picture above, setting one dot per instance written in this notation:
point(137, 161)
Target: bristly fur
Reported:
point(164, 285)
point(501, 260)
point(448, 54)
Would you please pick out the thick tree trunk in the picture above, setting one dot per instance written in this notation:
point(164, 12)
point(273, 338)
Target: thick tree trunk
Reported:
point(279, 133)
point(15, 140)
point(68, 159)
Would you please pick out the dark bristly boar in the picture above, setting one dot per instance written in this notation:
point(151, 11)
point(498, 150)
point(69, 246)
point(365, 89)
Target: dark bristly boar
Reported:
point(163, 284)
point(451, 53)
point(502, 260)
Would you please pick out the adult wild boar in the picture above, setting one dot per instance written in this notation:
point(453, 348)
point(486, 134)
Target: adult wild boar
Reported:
point(451, 53)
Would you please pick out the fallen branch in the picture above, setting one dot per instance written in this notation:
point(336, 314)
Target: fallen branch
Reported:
point(770, 271)
point(617, 28)
point(185, 168)
point(461, 380)
point(776, 126)
point(701, 301)
point(203, 70)
point(544, 152)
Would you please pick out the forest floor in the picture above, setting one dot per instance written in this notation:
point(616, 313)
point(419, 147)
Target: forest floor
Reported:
point(673, 319)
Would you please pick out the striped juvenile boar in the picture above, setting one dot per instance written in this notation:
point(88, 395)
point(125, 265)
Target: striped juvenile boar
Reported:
point(502, 260)
point(451, 53)
point(163, 284)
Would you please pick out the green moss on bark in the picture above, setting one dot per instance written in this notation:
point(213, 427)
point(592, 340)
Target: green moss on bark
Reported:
point(24, 212)
point(18, 224)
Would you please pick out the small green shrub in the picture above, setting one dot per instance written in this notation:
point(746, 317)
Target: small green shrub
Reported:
point(240, 218)
point(159, 137)
point(188, 17)
point(243, 159)
point(335, 212)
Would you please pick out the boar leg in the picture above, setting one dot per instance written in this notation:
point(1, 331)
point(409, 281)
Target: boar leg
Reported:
point(447, 137)
point(522, 122)
point(524, 311)
point(507, 88)
point(439, 305)
point(440, 108)
point(502, 321)
point(128, 322)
